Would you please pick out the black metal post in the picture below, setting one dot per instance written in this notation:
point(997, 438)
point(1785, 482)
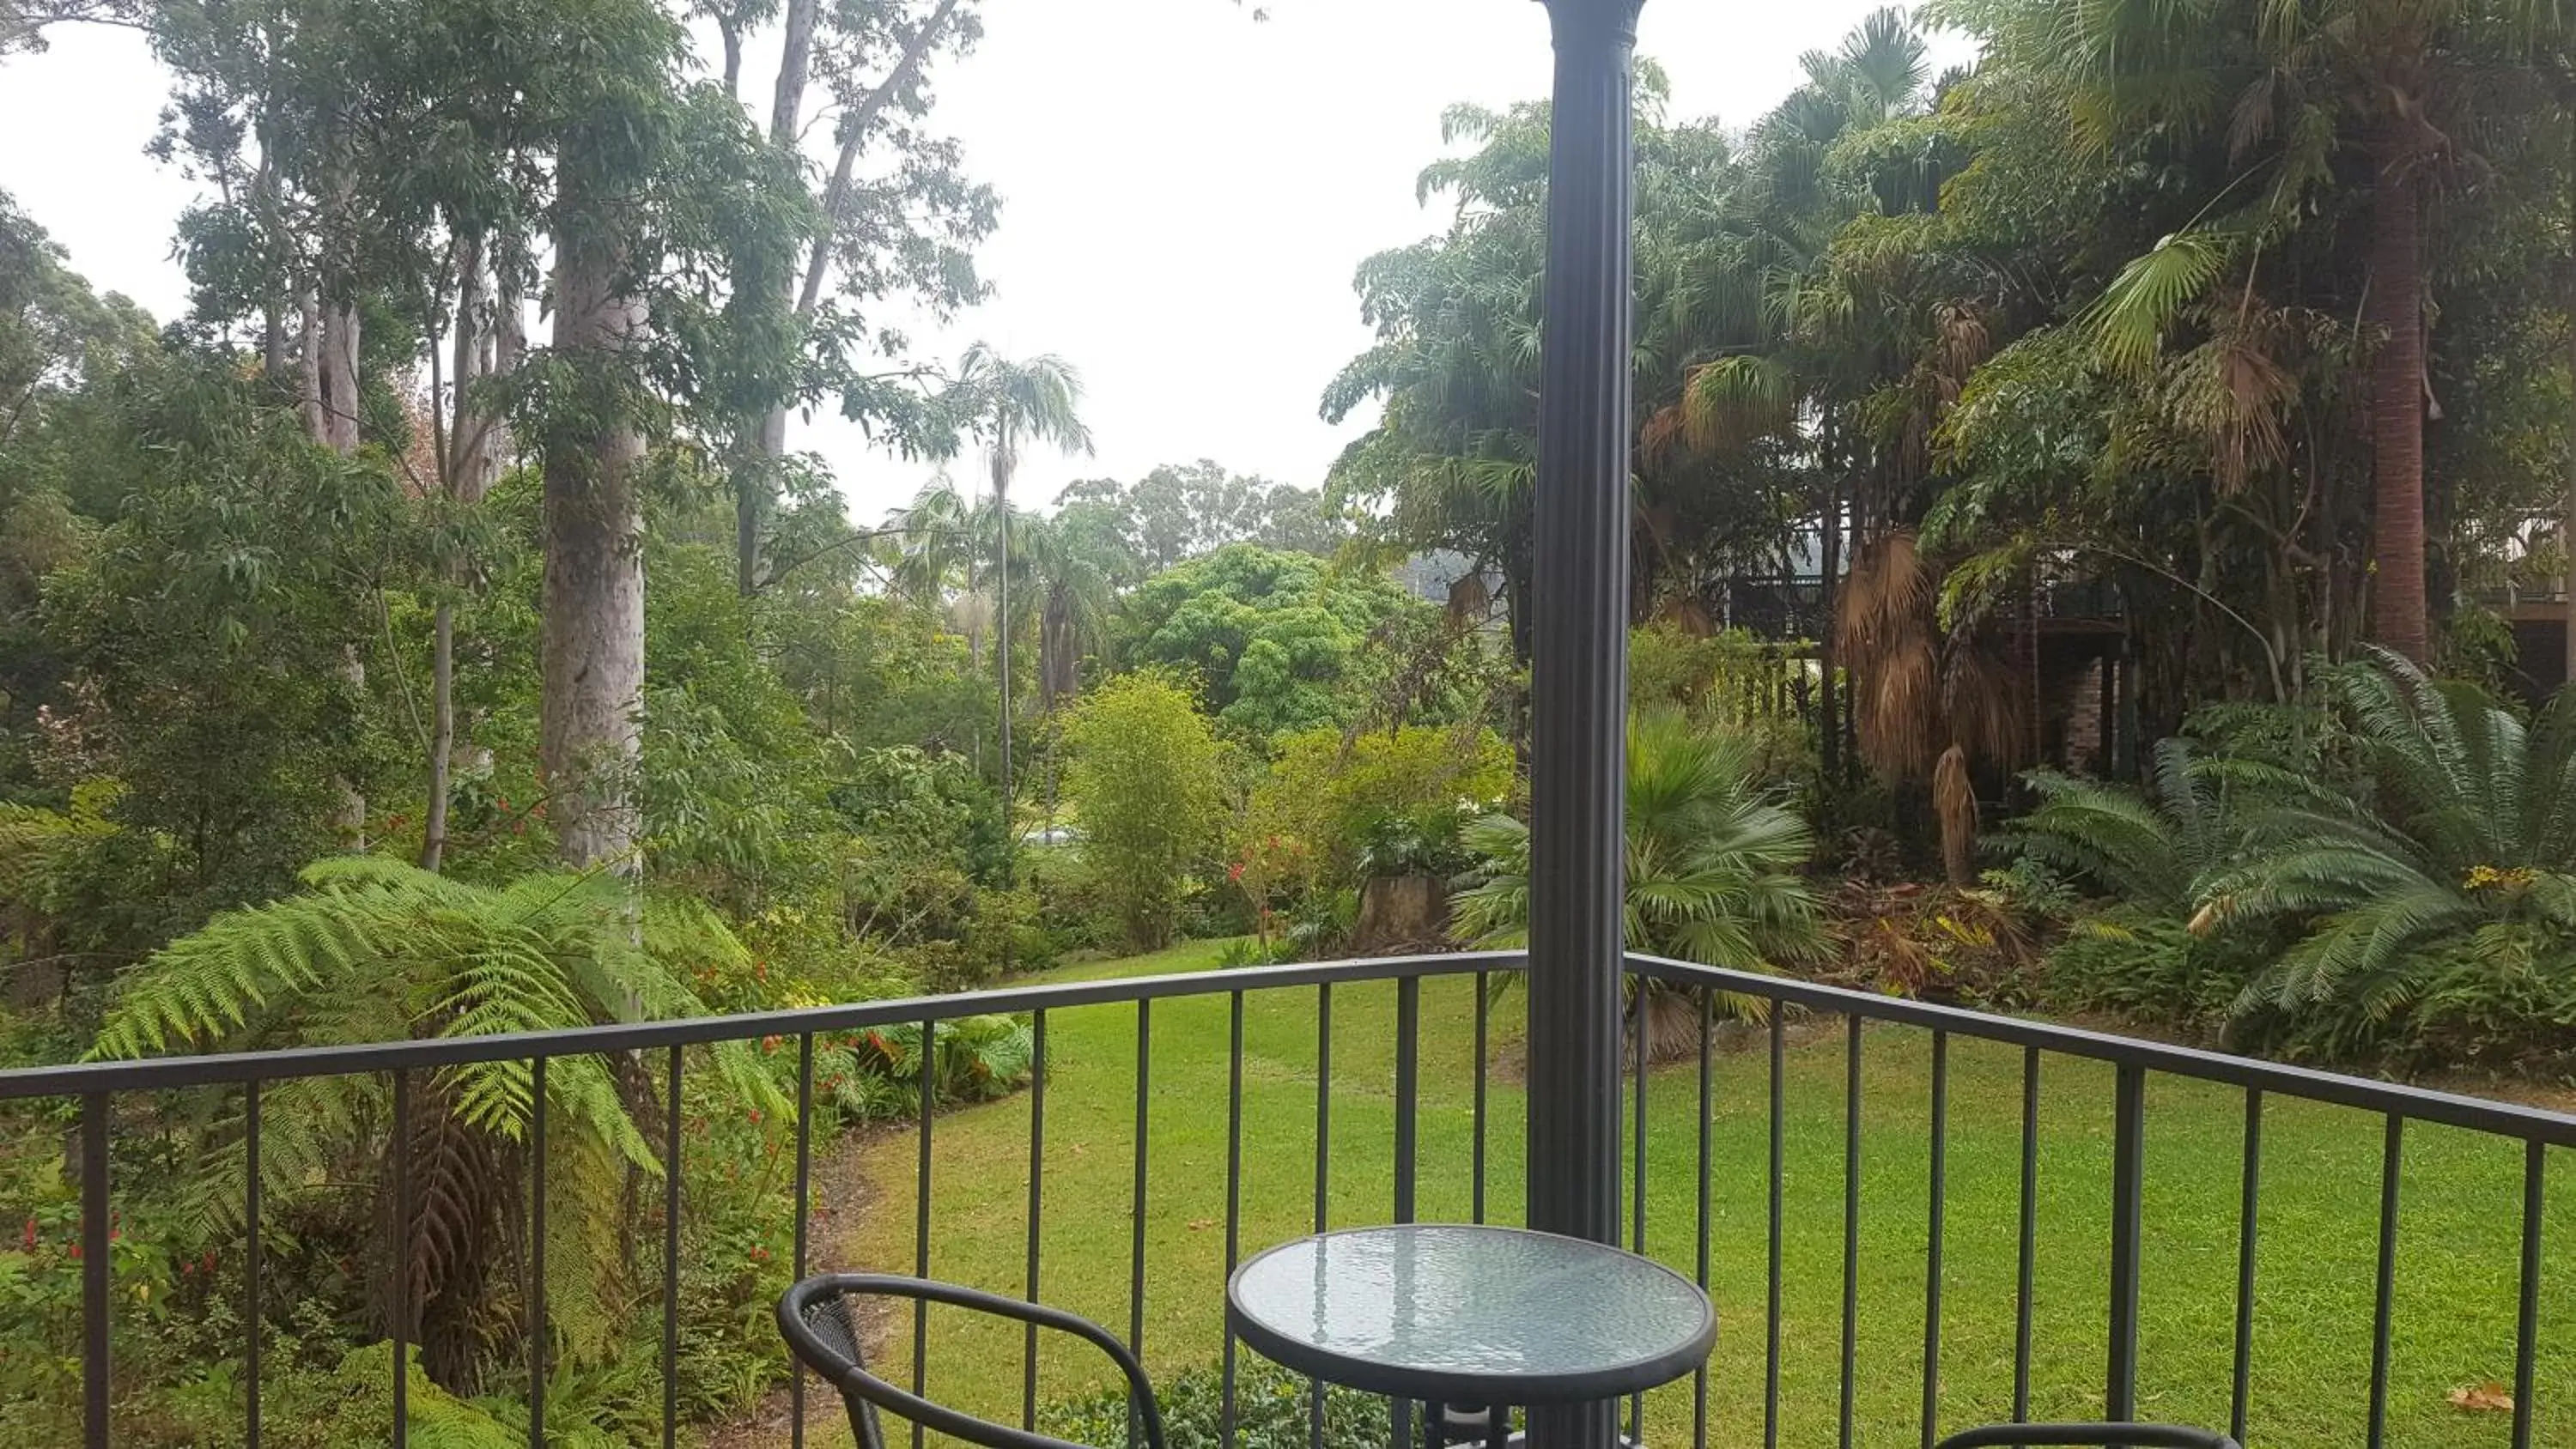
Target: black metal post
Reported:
point(1579, 629)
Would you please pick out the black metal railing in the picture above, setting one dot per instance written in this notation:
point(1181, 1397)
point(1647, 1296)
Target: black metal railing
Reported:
point(98, 1090)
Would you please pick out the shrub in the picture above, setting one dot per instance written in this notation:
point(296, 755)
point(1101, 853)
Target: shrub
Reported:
point(1146, 785)
point(2458, 862)
point(1271, 1411)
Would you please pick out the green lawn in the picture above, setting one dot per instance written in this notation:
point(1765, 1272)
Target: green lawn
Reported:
point(2455, 1272)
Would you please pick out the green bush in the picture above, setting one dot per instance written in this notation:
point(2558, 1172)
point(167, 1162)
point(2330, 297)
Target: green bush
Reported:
point(1146, 784)
point(1271, 1411)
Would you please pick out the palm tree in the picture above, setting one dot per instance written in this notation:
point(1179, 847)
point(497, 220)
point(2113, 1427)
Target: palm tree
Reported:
point(1076, 565)
point(1712, 863)
point(1012, 405)
point(2397, 87)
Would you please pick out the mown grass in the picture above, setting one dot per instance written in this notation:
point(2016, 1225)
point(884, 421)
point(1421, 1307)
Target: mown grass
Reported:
point(2456, 1267)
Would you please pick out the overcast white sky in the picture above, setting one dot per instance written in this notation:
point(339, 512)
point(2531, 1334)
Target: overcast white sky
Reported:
point(1185, 192)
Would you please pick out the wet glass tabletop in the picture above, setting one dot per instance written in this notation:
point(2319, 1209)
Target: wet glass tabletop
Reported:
point(1440, 1310)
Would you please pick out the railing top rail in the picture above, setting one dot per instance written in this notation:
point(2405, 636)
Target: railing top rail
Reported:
point(2480, 1114)
point(2515, 1120)
point(161, 1073)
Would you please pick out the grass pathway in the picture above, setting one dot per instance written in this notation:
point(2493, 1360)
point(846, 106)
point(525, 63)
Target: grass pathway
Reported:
point(2455, 1270)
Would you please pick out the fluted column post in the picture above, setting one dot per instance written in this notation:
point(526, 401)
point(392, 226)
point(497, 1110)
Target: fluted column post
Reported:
point(1579, 681)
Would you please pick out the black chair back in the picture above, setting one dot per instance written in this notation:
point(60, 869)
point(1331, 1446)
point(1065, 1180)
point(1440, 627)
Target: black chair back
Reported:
point(815, 1318)
point(2078, 1436)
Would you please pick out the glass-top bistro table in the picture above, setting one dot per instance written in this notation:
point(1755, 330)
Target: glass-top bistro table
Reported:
point(1489, 1316)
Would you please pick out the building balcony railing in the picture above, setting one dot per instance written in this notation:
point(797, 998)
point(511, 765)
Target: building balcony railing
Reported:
point(1759, 1160)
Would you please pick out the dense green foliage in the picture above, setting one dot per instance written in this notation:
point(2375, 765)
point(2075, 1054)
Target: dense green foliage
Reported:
point(1275, 638)
point(1146, 783)
point(373, 668)
point(2403, 886)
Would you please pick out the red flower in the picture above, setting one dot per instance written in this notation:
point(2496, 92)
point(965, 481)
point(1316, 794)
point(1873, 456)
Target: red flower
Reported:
point(76, 1252)
point(769, 1044)
point(755, 1115)
point(31, 1235)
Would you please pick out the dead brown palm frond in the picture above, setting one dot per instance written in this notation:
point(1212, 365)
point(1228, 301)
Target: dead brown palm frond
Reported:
point(1884, 631)
point(1959, 345)
point(2233, 393)
point(1664, 436)
point(1687, 615)
point(1954, 800)
point(1896, 706)
point(1471, 600)
point(1885, 597)
point(1987, 700)
point(1735, 400)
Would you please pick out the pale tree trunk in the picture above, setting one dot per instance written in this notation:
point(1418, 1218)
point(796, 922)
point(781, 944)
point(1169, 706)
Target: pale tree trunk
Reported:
point(754, 476)
point(442, 734)
point(340, 376)
point(308, 367)
point(854, 130)
point(2396, 311)
point(329, 388)
point(591, 652)
point(466, 473)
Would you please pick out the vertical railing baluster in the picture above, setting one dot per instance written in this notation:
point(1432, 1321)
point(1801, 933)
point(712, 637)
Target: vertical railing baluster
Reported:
point(2026, 1251)
point(537, 1253)
point(2249, 1196)
point(401, 1233)
point(1136, 1209)
point(1484, 1015)
point(1637, 1151)
point(1323, 1172)
point(1233, 1200)
point(1408, 1083)
point(1408, 1073)
point(2384, 1291)
point(671, 1257)
point(1037, 1202)
point(804, 1211)
point(1707, 1111)
point(94, 1280)
point(2128, 1197)
point(253, 1260)
point(1771, 1302)
point(928, 1087)
point(2526, 1323)
point(1851, 1225)
point(1939, 1199)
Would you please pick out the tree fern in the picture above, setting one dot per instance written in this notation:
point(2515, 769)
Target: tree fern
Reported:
point(376, 950)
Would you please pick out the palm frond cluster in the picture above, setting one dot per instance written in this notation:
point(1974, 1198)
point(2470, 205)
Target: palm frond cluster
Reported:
point(1713, 858)
point(2420, 903)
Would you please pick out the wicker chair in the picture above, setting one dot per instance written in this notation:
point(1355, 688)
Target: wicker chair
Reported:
point(815, 1318)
